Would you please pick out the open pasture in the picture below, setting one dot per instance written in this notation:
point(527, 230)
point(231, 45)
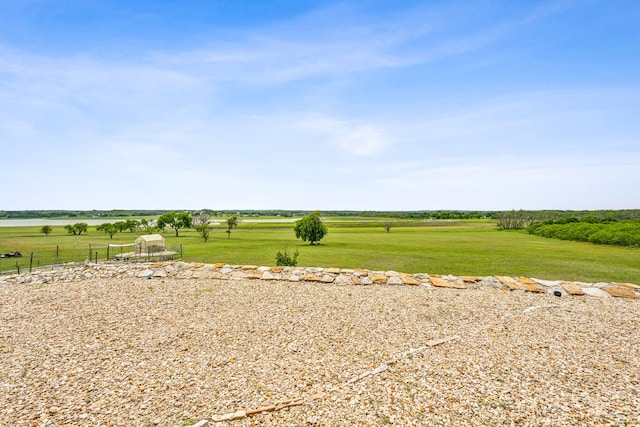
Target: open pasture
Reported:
point(437, 247)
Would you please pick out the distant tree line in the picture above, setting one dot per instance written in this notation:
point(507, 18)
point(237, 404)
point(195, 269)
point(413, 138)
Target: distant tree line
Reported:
point(422, 214)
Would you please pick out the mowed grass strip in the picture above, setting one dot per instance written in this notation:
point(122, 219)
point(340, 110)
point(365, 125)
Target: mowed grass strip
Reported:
point(463, 248)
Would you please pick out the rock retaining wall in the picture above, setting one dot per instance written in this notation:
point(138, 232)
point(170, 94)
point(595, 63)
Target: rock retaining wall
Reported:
point(337, 276)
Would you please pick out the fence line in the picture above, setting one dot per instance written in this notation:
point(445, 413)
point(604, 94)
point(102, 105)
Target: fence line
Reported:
point(61, 256)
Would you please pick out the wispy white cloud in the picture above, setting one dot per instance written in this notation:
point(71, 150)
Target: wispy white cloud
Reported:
point(258, 105)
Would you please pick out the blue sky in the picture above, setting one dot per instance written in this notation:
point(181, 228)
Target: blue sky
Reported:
point(363, 105)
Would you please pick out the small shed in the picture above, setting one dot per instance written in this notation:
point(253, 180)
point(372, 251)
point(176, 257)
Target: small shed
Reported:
point(150, 243)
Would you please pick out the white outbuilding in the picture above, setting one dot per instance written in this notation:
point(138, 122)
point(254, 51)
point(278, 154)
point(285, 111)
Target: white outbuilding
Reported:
point(150, 244)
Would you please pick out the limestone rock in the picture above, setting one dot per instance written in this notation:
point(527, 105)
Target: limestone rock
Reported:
point(511, 283)
point(491, 282)
point(547, 283)
point(631, 286)
point(239, 274)
point(379, 279)
point(342, 279)
point(444, 283)
point(530, 285)
point(253, 274)
point(596, 292)
point(573, 289)
point(409, 280)
point(395, 280)
point(616, 291)
point(327, 278)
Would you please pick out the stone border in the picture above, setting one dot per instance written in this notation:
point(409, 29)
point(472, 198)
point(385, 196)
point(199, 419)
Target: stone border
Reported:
point(337, 276)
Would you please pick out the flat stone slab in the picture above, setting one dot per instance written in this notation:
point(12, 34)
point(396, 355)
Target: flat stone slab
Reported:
point(631, 286)
point(444, 283)
point(407, 279)
point(511, 283)
point(618, 292)
point(395, 280)
point(530, 285)
point(379, 279)
point(596, 292)
point(573, 289)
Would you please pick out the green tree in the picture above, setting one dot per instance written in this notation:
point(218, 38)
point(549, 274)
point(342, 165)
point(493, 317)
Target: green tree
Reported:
point(46, 229)
point(175, 221)
point(108, 228)
point(120, 226)
point(387, 225)
point(147, 226)
point(201, 222)
point(204, 230)
point(77, 228)
point(310, 228)
point(132, 225)
point(232, 223)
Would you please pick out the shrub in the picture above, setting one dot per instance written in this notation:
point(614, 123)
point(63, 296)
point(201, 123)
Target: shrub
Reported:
point(284, 259)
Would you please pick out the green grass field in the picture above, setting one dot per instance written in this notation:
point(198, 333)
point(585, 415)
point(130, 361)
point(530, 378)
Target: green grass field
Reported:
point(461, 248)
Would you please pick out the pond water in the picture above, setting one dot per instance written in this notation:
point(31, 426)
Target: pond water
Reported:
point(39, 222)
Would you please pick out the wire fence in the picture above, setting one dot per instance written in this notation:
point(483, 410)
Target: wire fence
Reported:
point(11, 263)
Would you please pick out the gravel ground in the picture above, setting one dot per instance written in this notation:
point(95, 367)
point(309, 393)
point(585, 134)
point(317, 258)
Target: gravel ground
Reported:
point(137, 352)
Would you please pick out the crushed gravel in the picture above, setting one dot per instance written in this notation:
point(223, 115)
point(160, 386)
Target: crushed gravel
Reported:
point(143, 352)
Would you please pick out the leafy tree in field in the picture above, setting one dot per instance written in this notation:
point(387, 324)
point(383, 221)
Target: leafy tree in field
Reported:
point(232, 223)
point(46, 229)
point(204, 230)
point(175, 221)
point(201, 222)
point(310, 228)
point(387, 225)
point(120, 226)
point(108, 228)
point(147, 226)
point(132, 225)
point(77, 228)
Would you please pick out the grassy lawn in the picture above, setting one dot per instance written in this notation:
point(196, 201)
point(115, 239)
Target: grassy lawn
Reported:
point(462, 248)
